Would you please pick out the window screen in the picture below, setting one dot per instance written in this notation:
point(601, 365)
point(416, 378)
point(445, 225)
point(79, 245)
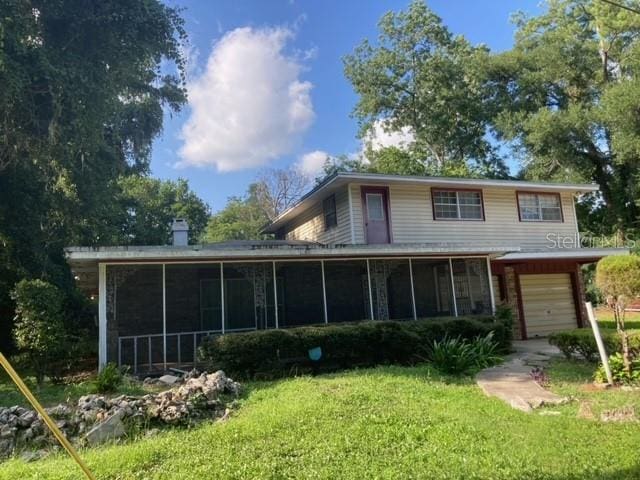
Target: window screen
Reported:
point(457, 205)
point(375, 206)
point(538, 207)
point(329, 208)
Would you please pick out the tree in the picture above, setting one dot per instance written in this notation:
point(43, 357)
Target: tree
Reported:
point(39, 328)
point(567, 97)
point(151, 205)
point(241, 219)
point(421, 79)
point(618, 278)
point(81, 102)
point(278, 189)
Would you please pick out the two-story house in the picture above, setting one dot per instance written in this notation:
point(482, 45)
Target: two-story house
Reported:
point(358, 246)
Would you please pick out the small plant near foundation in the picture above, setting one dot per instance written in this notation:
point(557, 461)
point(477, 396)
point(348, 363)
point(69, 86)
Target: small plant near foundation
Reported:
point(619, 372)
point(108, 380)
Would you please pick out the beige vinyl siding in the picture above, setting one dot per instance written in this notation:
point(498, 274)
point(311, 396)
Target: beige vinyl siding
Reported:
point(547, 300)
point(412, 220)
point(310, 224)
point(357, 216)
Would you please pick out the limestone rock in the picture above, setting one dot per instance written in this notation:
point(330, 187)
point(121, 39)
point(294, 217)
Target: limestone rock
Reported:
point(111, 429)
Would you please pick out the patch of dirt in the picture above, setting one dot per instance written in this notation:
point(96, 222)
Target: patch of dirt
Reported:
point(622, 415)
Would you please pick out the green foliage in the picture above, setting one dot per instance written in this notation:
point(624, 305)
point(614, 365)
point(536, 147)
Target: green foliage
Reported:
point(151, 205)
point(566, 96)
point(241, 219)
point(457, 355)
point(278, 352)
point(108, 379)
point(618, 371)
point(581, 343)
point(619, 275)
point(39, 328)
point(81, 103)
point(412, 79)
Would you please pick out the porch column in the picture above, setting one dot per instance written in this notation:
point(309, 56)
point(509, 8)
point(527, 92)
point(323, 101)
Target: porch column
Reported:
point(453, 289)
point(222, 305)
point(324, 293)
point(275, 294)
point(413, 291)
point(164, 316)
point(493, 297)
point(102, 315)
point(370, 292)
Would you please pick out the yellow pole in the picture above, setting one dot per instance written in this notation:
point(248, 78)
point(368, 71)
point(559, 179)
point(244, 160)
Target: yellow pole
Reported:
point(47, 419)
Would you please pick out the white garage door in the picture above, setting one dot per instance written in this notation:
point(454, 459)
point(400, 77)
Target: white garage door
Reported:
point(548, 303)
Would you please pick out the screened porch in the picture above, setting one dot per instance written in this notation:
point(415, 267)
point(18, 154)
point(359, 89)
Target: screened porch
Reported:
point(157, 314)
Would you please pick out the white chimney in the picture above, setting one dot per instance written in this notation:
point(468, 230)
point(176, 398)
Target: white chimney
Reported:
point(180, 229)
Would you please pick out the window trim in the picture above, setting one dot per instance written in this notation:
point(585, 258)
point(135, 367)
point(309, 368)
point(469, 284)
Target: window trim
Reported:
point(433, 204)
point(335, 212)
point(541, 220)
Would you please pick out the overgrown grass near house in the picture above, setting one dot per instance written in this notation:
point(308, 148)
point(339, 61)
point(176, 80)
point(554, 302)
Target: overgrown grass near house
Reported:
point(50, 394)
point(386, 422)
point(574, 379)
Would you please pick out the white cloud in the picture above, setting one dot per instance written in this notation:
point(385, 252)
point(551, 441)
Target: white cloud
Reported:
point(249, 106)
point(311, 163)
point(379, 138)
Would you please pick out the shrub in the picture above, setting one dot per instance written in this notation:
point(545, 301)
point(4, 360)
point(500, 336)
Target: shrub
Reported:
point(108, 379)
point(581, 342)
point(39, 328)
point(618, 278)
point(619, 275)
point(457, 355)
point(618, 371)
point(277, 352)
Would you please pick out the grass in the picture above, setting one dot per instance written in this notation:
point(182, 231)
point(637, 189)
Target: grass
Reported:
point(387, 422)
point(606, 320)
point(51, 394)
point(574, 379)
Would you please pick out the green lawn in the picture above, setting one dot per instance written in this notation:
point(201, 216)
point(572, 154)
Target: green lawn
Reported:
point(389, 422)
point(51, 394)
point(606, 320)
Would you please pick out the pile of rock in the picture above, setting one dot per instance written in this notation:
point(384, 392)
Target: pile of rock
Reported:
point(98, 418)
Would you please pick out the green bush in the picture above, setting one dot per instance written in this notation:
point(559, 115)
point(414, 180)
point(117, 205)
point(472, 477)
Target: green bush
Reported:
point(278, 352)
point(581, 342)
point(108, 379)
point(39, 328)
point(616, 364)
point(458, 355)
point(619, 275)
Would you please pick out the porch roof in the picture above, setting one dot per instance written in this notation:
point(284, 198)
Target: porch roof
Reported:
point(84, 260)
point(580, 255)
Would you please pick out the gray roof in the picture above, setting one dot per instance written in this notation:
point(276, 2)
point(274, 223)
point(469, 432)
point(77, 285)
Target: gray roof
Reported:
point(337, 180)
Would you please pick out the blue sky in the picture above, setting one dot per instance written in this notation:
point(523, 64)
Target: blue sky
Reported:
point(267, 87)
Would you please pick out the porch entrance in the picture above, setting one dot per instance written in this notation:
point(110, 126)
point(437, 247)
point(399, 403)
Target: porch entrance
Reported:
point(376, 215)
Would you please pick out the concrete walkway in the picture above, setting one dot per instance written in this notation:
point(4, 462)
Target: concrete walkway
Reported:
point(512, 381)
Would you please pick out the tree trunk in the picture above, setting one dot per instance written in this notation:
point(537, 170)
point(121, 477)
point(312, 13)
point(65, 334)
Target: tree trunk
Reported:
point(624, 339)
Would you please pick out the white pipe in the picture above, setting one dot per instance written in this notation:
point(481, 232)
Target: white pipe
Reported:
point(102, 315)
point(453, 288)
point(324, 293)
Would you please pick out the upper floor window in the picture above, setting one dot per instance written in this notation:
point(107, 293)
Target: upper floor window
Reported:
point(457, 205)
point(329, 210)
point(539, 207)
